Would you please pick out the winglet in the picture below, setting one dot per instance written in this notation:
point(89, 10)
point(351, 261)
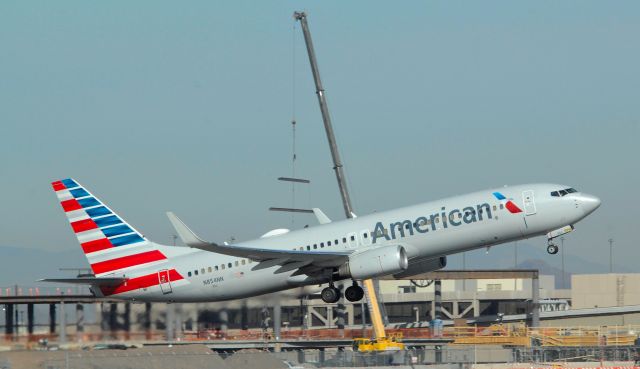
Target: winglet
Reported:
point(186, 235)
point(321, 216)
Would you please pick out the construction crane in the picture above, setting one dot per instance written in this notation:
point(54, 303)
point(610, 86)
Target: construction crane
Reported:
point(380, 342)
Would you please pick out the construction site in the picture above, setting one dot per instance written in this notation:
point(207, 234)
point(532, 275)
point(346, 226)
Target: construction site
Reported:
point(455, 318)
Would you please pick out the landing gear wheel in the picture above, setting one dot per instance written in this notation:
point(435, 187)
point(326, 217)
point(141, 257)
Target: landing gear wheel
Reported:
point(552, 249)
point(330, 295)
point(354, 293)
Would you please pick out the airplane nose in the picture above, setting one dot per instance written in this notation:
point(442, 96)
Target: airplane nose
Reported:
point(589, 203)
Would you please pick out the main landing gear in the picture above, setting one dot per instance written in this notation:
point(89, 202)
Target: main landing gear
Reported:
point(331, 294)
point(354, 293)
point(552, 248)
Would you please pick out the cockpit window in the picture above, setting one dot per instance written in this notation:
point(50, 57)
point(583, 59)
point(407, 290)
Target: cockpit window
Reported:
point(564, 192)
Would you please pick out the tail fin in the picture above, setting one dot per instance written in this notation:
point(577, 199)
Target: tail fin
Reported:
point(110, 244)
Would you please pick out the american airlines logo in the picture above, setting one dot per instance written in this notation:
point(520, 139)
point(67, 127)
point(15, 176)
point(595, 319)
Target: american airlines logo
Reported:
point(423, 224)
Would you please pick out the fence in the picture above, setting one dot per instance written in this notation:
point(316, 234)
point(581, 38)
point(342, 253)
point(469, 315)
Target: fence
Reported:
point(446, 357)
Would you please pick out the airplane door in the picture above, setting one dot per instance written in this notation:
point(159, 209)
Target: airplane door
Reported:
point(165, 282)
point(529, 202)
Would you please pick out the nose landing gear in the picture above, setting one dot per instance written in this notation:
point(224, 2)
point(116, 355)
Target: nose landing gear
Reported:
point(551, 247)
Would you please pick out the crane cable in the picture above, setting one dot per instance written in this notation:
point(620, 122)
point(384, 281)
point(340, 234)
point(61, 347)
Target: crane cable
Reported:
point(293, 119)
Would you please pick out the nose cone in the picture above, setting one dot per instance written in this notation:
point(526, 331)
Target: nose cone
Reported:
point(589, 203)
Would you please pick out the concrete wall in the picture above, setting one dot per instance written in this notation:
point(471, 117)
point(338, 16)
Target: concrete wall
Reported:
point(605, 290)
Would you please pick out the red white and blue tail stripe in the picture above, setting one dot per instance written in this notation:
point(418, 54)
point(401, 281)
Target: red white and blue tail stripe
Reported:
point(111, 245)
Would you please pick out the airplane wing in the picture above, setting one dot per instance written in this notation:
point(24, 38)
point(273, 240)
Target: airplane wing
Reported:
point(288, 259)
point(87, 280)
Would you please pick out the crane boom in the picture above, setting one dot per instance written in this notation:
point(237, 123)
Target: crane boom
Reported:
point(372, 301)
point(326, 118)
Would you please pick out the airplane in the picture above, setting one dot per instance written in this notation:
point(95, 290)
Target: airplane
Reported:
point(401, 242)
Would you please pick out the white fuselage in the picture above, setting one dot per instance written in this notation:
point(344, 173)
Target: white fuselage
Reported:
point(428, 230)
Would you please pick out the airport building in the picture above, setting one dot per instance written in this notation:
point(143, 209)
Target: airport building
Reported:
point(594, 299)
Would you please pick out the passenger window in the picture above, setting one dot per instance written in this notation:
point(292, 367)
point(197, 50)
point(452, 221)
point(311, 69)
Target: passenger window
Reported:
point(237, 263)
point(216, 268)
point(222, 266)
point(437, 220)
point(336, 242)
point(229, 265)
point(202, 271)
point(308, 247)
point(364, 235)
point(501, 206)
point(189, 274)
point(301, 248)
point(195, 272)
point(322, 244)
point(210, 270)
point(353, 238)
point(328, 243)
point(494, 208)
point(244, 262)
point(315, 246)
point(344, 240)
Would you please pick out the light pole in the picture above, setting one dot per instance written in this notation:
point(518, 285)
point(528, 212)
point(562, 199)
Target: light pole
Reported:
point(610, 255)
point(464, 267)
point(562, 253)
point(515, 264)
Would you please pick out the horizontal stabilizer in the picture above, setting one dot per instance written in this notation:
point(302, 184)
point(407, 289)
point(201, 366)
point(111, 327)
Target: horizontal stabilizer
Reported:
point(94, 281)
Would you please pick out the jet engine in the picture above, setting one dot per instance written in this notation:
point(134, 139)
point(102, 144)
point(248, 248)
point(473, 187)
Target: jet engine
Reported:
point(422, 266)
point(375, 262)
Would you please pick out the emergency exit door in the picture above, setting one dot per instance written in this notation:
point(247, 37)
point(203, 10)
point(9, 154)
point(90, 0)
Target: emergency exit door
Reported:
point(529, 202)
point(165, 282)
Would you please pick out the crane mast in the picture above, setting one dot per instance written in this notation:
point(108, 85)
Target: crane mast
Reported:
point(382, 342)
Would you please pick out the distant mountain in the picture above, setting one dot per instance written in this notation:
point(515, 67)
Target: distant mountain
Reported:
point(545, 269)
point(531, 257)
point(23, 266)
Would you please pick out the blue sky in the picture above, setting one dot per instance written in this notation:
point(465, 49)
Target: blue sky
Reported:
point(158, 105)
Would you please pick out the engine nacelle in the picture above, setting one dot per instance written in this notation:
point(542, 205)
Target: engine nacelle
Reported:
point(422, 266)
point(375, 263)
